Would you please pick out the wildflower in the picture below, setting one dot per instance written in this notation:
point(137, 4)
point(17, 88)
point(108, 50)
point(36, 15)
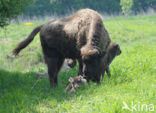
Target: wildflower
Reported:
point(28, 23)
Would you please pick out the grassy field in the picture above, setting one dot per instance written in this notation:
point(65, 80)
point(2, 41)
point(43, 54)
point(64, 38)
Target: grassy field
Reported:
point(133, 80)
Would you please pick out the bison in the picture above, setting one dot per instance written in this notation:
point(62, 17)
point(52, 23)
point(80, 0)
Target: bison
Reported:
point(81, 36)
point(113, 50)
point(75, 82)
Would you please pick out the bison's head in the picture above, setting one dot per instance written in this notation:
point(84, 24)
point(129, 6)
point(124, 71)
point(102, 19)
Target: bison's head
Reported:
point(114, 49)
point(75, 82)
point(92, 61)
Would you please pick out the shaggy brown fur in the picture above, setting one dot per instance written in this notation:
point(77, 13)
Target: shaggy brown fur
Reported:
point(80, 36)
point(113, 50)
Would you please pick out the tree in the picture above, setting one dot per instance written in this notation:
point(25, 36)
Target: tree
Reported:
point(10, 9)
point(126, 6)
point(143, 5)
point(61, 7)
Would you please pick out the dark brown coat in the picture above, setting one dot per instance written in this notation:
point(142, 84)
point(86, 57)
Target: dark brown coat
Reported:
point(113, 50)
point(80, 36)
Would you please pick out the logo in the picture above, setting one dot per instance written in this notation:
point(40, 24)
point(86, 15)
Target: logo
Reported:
point(138, 107)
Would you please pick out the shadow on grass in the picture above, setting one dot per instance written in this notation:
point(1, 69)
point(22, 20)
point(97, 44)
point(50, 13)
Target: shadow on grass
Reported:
point(18, 90)
point(22, 92)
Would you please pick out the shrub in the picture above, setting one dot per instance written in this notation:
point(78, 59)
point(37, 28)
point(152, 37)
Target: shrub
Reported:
point(126, 6)
point(10, 9)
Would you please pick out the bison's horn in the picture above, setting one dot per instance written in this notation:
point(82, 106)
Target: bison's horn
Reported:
point(101, 53)
point(92, 52)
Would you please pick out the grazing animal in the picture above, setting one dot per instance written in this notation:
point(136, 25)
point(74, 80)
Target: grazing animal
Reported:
point(81, 36)
point(113, 50)
point(75, 82)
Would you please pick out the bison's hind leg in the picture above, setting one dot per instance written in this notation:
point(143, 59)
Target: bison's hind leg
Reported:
point(53, 60)
point(54, 64)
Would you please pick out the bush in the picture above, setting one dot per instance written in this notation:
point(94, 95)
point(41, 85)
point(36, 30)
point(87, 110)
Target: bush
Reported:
point(10, 9)
point(126, 6)
point(143, 5)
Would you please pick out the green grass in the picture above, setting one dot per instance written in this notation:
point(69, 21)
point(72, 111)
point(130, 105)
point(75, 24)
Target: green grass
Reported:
point(133, 78)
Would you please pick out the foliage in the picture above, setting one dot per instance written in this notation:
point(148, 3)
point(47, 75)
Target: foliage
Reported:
point(44, 7)
point(126, 6)
point(143, 5)
point(10, 9)
point(133, 73)
point(61, 7)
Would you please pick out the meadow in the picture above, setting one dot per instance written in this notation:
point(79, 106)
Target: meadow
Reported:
point(133, 80)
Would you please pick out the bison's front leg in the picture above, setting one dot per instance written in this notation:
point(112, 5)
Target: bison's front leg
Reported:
point(54, 64)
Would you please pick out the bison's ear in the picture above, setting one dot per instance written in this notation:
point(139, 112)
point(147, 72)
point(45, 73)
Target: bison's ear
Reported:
point(71, 80)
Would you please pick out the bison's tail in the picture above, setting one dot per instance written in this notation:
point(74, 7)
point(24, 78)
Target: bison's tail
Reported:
point(25, 42)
